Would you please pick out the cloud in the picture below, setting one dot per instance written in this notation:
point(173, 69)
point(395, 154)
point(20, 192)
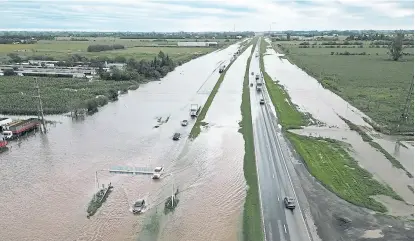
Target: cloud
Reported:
point(201, 15)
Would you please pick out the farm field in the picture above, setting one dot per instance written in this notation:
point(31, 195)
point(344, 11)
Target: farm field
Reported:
point(58, 95)
point(371, 82)
point(134, 48)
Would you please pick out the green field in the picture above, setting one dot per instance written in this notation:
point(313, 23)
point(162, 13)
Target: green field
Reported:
point(372, 83)
point(135, 48)
point(252, 225)
point(58, 95)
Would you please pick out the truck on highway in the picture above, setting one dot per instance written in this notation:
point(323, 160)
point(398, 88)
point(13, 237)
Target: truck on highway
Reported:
point(194, 110)
point(258, 84)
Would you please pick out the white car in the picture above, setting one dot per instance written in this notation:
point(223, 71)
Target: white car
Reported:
point(184, 122)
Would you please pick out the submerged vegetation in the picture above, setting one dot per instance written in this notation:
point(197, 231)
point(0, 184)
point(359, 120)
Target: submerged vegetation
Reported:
point(376, 145)
point(97, 200)
point(252, 225)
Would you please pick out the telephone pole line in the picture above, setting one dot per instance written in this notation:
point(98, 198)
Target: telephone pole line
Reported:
point(40, 106)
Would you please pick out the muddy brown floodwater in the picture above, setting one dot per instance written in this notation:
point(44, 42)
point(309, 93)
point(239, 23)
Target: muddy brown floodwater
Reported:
point(48, 180)
point(211, 208)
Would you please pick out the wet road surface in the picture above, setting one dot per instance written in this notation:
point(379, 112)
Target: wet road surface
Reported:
point(274, 177)
point(47, 181)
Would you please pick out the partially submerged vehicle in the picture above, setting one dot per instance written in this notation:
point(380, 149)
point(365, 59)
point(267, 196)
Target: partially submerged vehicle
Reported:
point(176, 136)
point(184, 122)
point(157, 172)
point(139, 206)
point(289, 202)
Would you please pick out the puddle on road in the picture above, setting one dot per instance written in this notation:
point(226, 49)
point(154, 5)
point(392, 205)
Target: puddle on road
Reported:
point(325, 106)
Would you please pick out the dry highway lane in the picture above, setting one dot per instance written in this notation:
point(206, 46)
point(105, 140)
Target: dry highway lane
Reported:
point(274, 178)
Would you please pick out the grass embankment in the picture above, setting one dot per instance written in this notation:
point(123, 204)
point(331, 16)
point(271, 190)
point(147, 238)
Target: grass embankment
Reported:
point(199, 121)
point(327, 160)
point(252, 225)
point(376, 145)
point(134, 48)
point(371, 82)
point(289, 117)
point(58, 95)
point(339, 172)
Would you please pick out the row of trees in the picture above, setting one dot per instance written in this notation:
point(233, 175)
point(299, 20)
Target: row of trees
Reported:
point(140, 70)
point(103, 47)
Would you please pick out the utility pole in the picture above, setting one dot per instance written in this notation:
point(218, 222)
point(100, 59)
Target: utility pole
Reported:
point(405, 111)
point(40, 106)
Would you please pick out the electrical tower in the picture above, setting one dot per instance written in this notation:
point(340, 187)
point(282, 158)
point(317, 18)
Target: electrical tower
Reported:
point(39, 106)
point(405, 112)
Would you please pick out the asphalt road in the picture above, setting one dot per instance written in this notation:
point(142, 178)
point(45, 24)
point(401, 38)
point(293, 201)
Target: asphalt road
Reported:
point(274, 178)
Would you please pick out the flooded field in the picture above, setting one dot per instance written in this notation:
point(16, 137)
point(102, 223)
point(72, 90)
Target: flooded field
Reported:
point(326, 107)
point(211, 208)
point(48, 180)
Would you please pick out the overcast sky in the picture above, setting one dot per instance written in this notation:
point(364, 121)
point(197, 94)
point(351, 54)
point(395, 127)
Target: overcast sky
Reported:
point(200, 15)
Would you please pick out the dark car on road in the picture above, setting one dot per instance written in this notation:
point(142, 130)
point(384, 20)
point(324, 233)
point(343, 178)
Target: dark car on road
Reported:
point(289, 202)
point(262, 101)
point(176, 136)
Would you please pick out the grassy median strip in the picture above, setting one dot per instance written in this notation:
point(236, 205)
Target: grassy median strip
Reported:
point(325, 158)
point(289, 117)
point(339, 172)
point(252, 224)
point(199, 121)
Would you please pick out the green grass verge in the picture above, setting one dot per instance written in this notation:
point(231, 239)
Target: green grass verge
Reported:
point(339, 172)
point(376, 145)
point(199, 121)
point(289, 116)
point(252, 224)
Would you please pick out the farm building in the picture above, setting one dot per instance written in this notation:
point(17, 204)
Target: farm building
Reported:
point(196, 44)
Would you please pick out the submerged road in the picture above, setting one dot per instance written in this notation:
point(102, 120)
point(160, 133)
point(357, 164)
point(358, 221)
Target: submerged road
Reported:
point(274, 177)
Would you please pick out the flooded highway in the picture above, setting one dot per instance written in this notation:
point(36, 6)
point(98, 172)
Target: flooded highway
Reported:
point(326, 107)
point(211, 209)
point(48, 180)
